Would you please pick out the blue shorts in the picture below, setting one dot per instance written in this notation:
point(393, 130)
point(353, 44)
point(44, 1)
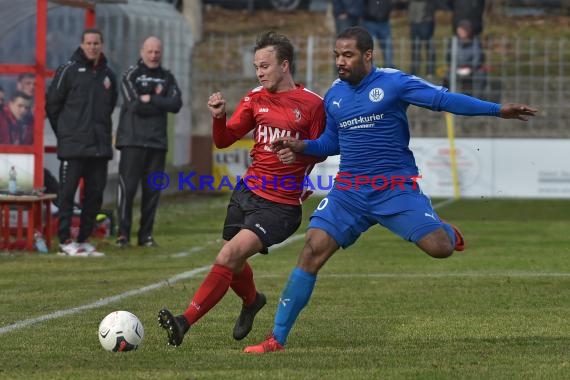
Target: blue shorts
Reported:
point(345, 214)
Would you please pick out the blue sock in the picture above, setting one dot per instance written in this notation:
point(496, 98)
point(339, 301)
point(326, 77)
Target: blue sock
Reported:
point(450, 232)
point(294, 298)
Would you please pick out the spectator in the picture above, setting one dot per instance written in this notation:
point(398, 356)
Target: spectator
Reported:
point(2, 97)
point(79, 104)
point(472, 10)
point(263, 210)
point(346, 13)
point(376, 19)
point(471, 75)
point(150, 92)
point(26, 84)
point(14, 129)
point(421, 15)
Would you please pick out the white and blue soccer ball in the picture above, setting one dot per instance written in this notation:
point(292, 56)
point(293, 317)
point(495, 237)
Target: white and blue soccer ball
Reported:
point(121, 331)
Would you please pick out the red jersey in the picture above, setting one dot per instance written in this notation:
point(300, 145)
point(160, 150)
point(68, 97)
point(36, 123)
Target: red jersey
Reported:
point(297, 113)
point(15, 132)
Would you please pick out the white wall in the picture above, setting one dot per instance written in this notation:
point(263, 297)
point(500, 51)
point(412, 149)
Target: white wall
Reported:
point(529, 168)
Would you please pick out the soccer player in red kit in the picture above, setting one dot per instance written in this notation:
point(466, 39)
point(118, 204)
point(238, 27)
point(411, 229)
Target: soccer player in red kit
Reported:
point(265, 207)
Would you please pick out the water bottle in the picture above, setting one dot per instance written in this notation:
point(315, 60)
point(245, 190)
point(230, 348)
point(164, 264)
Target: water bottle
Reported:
point(12, 185)
point(40, 242)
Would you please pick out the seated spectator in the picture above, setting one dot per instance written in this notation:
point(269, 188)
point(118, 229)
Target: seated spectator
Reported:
point(2, 97)
point(14, 129)
point(27, 84)
point(471, 73)
point(471, 10)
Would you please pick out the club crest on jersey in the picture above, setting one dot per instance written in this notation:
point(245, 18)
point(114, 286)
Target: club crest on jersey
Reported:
point(107, 83)
point(297, 114)
point(376, 94)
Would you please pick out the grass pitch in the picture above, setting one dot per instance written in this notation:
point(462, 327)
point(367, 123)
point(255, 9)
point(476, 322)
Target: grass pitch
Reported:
point(381, 309)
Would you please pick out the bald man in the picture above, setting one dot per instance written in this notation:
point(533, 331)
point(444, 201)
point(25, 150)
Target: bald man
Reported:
point(150, 92)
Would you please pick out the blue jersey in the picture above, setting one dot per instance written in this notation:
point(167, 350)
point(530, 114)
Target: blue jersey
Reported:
point(368, 126)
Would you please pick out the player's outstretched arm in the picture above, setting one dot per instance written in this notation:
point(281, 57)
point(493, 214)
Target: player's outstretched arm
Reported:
point(517, 111)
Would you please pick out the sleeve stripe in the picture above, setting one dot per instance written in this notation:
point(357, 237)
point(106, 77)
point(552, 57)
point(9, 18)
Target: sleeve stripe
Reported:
point(63, 70)
point(311, 92)
point(128, 88)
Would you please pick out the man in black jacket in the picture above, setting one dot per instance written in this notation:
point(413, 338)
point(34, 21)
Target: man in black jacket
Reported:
point(79, 104)
point(346, 13)
point(376, 19)
point(150, 93)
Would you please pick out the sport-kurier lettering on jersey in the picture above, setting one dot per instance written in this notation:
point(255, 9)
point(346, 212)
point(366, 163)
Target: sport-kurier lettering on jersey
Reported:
point(373, 120)
point(297, 113)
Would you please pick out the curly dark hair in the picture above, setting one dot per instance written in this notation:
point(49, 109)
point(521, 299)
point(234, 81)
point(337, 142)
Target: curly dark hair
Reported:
point(364, 41)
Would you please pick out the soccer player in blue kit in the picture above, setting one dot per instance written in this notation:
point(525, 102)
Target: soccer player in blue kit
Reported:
point(367, 125)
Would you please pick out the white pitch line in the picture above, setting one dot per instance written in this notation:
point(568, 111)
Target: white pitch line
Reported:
point(444, 203)
point(102, 302)
point(436, 275)
point(144, 289)
point(130, 293)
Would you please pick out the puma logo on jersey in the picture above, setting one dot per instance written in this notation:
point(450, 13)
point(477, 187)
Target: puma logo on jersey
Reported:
point(337, 103)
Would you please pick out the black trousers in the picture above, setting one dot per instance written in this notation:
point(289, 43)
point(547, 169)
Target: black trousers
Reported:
point(94, 174)
point(135, 166)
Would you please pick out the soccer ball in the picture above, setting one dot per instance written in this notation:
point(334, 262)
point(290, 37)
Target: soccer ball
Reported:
point(121, 331)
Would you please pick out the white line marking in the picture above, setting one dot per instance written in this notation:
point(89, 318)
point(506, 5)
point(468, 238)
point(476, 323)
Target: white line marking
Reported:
point(444, 203)
point(172, 280)
point(130, 293)
point(436, 275)
point(102, 302)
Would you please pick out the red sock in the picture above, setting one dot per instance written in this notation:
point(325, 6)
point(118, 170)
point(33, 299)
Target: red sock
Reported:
point(243, 285)
point(212, 290)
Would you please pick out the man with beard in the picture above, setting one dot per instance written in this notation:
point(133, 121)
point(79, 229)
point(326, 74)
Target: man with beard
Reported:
point(367, 125)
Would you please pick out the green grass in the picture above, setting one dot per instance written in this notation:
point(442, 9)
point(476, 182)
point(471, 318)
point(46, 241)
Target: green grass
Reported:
point(380, 310)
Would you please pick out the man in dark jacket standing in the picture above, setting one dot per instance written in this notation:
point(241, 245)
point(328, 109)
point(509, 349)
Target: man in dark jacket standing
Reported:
point(346, 13)
point(376, 19)
point(79, 104)
point(150, 93)
point(421, 15)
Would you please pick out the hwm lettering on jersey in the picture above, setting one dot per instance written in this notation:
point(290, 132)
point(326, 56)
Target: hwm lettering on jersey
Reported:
point(264, 109)
point(266, 134)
